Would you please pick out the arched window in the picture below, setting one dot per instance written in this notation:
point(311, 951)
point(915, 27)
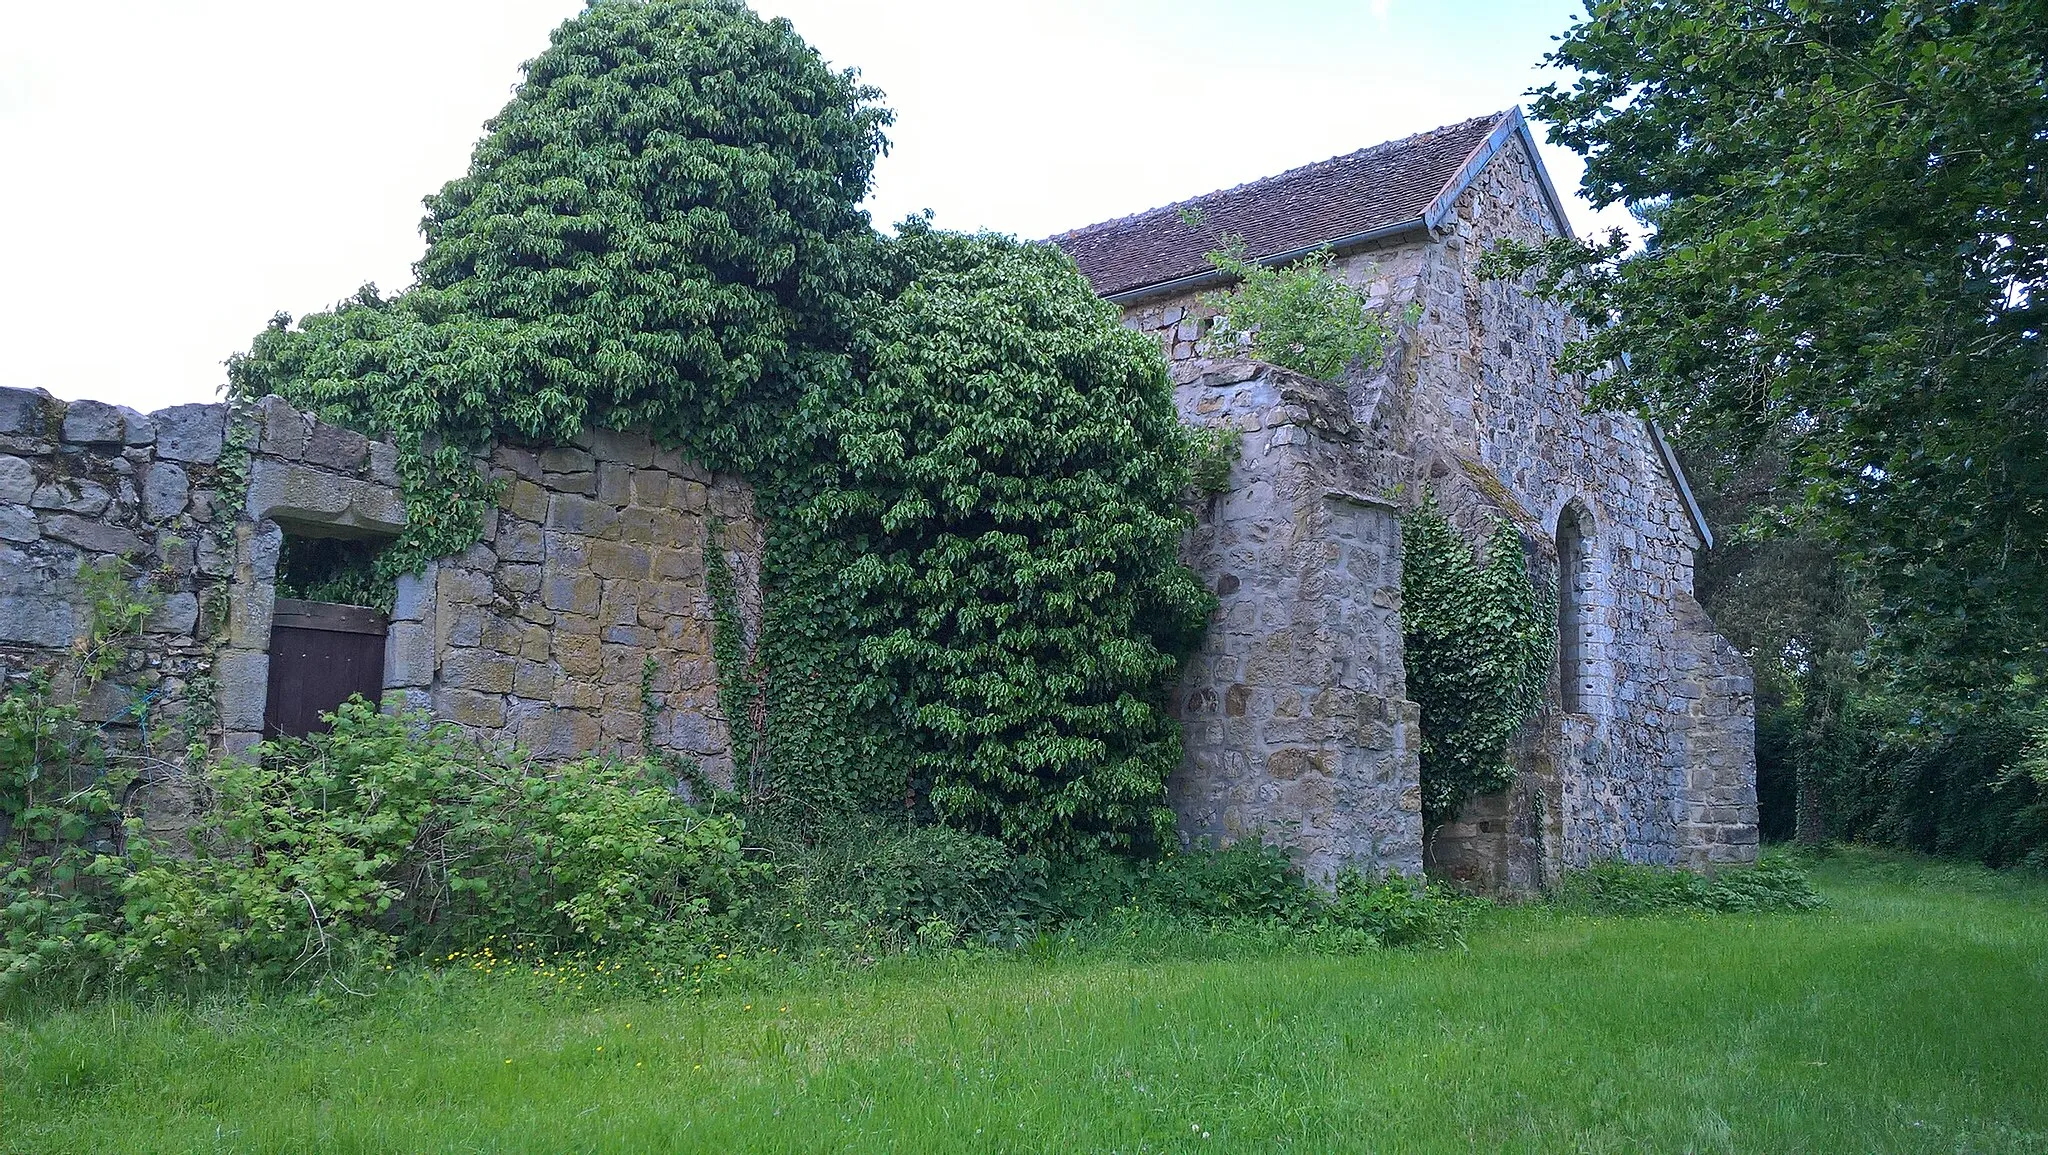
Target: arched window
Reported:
point(1574, 624)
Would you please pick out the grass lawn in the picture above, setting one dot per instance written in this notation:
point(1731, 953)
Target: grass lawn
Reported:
point(1910, 1016)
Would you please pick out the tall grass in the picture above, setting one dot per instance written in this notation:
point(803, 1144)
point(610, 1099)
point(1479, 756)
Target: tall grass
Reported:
point(1906, 1016)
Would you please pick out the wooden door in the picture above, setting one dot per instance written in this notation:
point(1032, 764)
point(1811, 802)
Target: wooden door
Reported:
point(320, 653)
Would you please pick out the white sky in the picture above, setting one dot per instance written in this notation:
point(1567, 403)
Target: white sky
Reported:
point(171, 174)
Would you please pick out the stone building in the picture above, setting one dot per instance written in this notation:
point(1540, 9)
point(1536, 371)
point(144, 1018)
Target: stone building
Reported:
point(582, 622)
point(1298, 726)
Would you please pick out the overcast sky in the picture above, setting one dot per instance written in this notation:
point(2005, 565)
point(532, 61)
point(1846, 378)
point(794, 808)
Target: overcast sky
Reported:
point(177, 172)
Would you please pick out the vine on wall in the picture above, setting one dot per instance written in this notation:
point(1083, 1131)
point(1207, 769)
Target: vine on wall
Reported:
point(972, 598)
point(1478, 642)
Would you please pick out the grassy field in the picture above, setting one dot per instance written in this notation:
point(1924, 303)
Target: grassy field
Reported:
point(1910, 1016)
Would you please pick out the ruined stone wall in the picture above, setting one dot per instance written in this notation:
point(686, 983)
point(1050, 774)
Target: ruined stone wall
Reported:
point(1296, 720)
point(594, 562)
point(88, 483)
point(1657, 762)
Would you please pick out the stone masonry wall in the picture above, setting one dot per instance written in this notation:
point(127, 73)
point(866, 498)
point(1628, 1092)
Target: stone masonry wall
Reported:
point(593, 563)
point(87, 484)
point(1657, 764)
point(1296, 719)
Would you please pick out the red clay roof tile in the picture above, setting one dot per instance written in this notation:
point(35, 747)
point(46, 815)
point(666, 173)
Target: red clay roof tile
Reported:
point(1384, 185)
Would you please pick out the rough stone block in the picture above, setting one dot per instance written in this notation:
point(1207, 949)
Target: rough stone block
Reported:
point(479, 670)
point(96, 536)
point(191, 434)
point(244, 680)
point(561, 459)
point(465, 626)
point(571, 593)
point(408, 655)
point(554, 733)
point(414, 595)
point(535, 680)
point(165, 491)
point(18, 524)
point(179, 614)
point(384, 463)
point(137, 429)
point(332, 447)
point(610, 559)
point(284, 428)
point(522, 542)
point(24, 412)
point(73, 495)
point(575, 514)
point(518, 461)
point(37, 620)
point(17, 481)
point(525, 500)
point(614, 483)
point(469, 708)
point(579, 655)
point(93, 423)
point(629, 448)
point(250, 612)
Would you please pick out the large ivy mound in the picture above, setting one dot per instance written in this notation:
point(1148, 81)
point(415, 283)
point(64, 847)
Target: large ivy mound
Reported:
point(994, 513)
point(971, 470)
point(661, 230)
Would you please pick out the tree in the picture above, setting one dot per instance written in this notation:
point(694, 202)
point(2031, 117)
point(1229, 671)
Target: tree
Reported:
point(1847, 255)
point(662, 229)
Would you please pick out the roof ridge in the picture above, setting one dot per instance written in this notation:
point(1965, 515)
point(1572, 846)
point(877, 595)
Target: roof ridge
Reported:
point(1491, 118)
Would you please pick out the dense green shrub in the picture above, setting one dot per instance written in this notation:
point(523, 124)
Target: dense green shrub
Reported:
point(985, 554)
point(1971, 788)
point(1301, 316)
point(390, 835)
point(661, 229)
point(1774, 883)
point(61, 822)
point(1478, 642)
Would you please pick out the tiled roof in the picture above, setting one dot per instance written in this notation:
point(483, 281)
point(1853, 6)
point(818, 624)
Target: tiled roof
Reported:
point(1375, 187)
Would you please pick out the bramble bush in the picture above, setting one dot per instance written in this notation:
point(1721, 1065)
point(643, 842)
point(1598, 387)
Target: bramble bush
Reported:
point(390, 834)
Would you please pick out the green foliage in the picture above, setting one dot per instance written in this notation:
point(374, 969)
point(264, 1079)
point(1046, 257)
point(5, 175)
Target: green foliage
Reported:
point(390, 835)
point(1250, 885)
point(1213, 451)
point(661, 230)
point(985, 554)
point(1846, 253)
point(59, 817)
point(1968, 789)
point(1478, 642)
point(868, 887)
point(973, 601)
point(333, 569)
point(1774, 883)
point(61, 824)
point(739, 678)
point(1301, 316)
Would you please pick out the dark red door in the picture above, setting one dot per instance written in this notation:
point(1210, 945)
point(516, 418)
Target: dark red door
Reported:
point(320, 653)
